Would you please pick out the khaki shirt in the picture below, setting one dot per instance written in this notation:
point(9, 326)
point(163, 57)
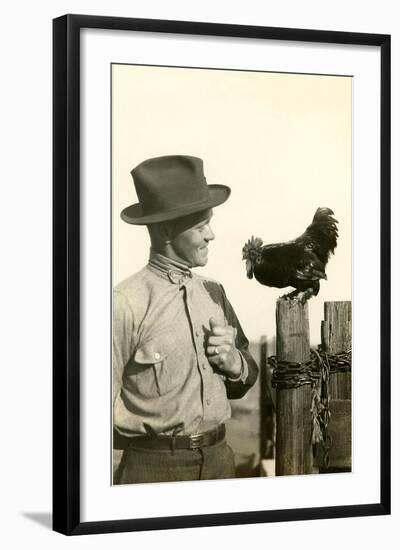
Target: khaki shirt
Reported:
point(163, 382)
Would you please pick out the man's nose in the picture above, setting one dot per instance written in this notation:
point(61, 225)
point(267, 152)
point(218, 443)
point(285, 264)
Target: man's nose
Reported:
point(209, 233)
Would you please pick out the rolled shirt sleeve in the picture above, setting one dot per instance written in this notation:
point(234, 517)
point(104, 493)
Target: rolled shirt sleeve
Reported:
point(237, 388)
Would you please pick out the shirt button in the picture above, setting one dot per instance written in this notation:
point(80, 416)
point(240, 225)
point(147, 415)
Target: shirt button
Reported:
point(197, 334)
point(208, 401)
point(204, 366)
point(157, 355)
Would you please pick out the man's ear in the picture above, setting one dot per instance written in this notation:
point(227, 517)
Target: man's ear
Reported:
point(165, 232)
point(158, 235)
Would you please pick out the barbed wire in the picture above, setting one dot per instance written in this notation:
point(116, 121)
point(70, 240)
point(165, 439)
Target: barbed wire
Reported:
point(315, 372)
point(292, 374)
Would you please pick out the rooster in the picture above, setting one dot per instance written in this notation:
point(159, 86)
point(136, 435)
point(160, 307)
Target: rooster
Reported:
point(299, 263)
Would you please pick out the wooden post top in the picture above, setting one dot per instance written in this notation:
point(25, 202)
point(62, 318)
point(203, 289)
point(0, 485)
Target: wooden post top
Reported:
point(336, 327)
point(292, 330)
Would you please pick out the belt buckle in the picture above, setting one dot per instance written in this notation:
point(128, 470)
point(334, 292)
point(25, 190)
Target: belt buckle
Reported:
point(196, 441)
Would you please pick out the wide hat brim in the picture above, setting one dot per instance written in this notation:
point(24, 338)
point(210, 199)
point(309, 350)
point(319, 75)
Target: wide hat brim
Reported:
point(217, 194)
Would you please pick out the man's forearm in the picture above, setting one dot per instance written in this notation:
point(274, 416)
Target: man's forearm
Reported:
point(237, 388)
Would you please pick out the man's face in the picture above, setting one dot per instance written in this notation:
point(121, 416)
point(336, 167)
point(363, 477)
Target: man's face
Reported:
point(190, 237)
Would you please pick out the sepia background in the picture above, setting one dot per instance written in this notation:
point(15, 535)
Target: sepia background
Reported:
point(281, 142)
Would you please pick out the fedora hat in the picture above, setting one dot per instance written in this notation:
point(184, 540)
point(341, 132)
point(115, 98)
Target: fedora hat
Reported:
point(171, 187)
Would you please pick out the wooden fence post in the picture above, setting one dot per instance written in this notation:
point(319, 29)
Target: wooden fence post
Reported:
point(267, 411)
point(293, 417)
point(336, 338)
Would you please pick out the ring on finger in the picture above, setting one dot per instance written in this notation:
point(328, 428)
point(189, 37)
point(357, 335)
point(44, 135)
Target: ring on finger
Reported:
point(216, 350)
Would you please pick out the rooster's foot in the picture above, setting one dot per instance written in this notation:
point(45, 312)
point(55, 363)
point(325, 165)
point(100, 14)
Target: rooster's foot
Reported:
point(302, 297)
point(290, 296)
point(299, 296)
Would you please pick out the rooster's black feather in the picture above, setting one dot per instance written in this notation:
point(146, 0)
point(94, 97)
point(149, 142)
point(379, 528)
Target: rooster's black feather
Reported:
point(299, 263)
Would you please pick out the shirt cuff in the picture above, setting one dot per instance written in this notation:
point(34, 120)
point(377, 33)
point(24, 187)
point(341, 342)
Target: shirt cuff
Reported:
point(244, 371)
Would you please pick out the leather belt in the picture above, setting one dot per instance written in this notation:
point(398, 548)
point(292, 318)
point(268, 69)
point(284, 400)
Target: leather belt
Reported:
point(172, 442)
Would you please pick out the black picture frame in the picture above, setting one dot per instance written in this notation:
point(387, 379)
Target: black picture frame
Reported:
point(66, 272)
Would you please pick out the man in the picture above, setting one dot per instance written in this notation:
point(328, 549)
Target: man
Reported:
point(179, 352)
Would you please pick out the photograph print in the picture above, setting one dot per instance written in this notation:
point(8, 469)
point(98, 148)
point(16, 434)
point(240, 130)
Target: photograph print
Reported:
point(231, 197)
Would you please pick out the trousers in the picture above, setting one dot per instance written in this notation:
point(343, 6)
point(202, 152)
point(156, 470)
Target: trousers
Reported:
point(156, 466)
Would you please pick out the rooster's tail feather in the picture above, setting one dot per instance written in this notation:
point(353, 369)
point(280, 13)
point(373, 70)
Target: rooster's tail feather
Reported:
point(324, 230)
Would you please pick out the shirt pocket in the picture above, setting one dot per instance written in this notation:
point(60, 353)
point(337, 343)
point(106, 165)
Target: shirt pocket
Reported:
point(152, 367)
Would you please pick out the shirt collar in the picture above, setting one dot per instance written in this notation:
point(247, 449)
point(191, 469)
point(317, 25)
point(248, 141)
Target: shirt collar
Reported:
point(176, 272)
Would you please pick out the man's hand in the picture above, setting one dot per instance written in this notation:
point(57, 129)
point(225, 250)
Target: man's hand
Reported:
point(221, 350)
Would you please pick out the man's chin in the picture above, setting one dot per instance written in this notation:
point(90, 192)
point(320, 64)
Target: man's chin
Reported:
point(201, 262)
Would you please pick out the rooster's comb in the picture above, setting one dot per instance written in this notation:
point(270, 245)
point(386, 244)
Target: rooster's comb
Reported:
point(252, 244)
